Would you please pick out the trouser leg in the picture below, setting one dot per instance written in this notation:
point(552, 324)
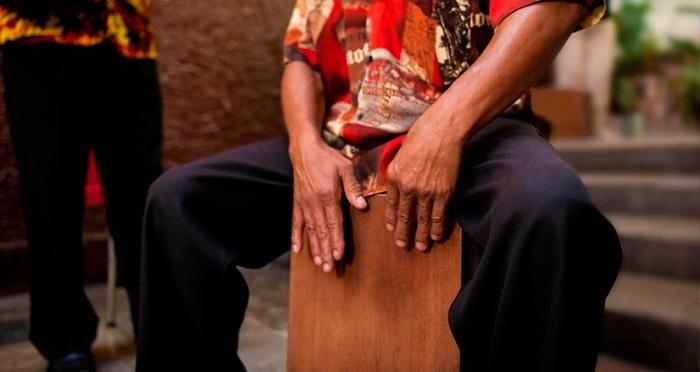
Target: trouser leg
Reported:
point(128, 147)
point(52, 151)
point(539, 259)
point(202, 220)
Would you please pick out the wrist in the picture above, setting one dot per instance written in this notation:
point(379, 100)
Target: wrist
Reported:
point(304, 141)
point(447, 121)
point(450, 131)
point(460, 126)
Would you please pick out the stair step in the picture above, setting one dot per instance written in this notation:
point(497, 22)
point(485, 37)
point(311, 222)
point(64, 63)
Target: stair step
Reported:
point(607, 363)
point(666, 195)
point(664, 246)
point(654, 321)
point(677, 154)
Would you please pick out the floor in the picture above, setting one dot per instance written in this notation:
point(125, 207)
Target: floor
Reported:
point(263, 335)
point(263, 343)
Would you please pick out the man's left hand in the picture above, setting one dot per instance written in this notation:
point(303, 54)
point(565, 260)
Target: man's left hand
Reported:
point(420, 182)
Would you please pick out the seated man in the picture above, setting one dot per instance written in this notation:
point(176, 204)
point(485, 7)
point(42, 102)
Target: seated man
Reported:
point(427, 102)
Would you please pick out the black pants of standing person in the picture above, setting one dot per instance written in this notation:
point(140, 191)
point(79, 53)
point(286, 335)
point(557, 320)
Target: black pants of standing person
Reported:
point(538, 260)
point(61, 102)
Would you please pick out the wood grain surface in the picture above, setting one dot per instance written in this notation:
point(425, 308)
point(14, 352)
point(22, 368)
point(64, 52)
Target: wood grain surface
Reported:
point(383, 309)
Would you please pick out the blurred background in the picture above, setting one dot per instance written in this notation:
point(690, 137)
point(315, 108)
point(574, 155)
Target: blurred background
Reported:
point(623, 105)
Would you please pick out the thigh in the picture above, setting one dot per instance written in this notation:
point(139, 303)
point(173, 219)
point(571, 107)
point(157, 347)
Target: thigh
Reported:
point(127, 130)
point(202, 220)
point(42, 102)
point(232, 208)
point(127, 141)
point(509, 164)
point(532, 236)
point(43, 108)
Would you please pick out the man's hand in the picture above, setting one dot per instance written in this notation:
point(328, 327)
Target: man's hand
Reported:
point(421, 180)
point(424, 172)
point(321, 175)
point(320, 172)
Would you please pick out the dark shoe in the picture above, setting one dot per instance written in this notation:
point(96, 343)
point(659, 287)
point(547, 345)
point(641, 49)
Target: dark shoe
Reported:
point(73, 362)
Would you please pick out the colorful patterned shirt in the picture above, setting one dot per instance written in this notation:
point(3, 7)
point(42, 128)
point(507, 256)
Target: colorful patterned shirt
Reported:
point(384, 62)
point(124, 23)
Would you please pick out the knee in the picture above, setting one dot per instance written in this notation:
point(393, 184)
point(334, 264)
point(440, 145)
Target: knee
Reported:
point(548, 193)
point(163, 216)
point(552, 210)
point(166, 192)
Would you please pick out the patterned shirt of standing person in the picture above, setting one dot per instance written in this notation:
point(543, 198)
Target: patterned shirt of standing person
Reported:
point(125, 23)
point(384, 62)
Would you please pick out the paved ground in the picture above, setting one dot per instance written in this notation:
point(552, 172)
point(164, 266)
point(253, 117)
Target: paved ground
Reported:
point(263, 336)
point(263, 344)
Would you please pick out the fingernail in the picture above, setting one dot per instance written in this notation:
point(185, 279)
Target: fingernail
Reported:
point(326, 267)
point(421, 246)
point(336, 254)
point(361, 202)
point(434, 237)
point(401, 243)
point(318, 261)
point(390, 227)
point(295, 248)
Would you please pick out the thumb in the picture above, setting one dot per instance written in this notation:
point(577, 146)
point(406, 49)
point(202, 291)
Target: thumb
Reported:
point(352, 188)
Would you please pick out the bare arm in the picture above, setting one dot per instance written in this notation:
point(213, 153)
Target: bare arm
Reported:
point(321, 173)
point(303, 104)
point(521, 51)
point(424, 172)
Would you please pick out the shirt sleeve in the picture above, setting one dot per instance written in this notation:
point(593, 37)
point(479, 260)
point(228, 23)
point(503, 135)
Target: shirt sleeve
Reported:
point(500, 9)
point(299, 40)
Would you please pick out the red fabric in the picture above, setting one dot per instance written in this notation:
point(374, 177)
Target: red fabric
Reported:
point(499, 9)
point(331, 60)
point(387, 25)
point(384, 62)
point(390, 149)
point(437, 79)
point(94, 194)
point(362, 135)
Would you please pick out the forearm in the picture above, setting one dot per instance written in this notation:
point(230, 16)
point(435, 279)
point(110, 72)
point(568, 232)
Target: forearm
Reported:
point(303, 104)
point(522, 49)
point(321, 174)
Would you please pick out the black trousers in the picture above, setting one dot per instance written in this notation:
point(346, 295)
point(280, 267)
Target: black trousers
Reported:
point(539, 259)
point(63, 101)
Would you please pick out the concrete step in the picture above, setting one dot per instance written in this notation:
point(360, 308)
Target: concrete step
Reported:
point(654, 321)
point(677, 154)
point(664, 195)
point(663, 246)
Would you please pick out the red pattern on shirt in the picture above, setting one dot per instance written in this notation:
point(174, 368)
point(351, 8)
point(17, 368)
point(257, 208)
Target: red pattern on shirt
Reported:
point(414, 50)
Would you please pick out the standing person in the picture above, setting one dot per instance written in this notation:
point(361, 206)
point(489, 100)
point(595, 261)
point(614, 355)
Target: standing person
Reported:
point(79, 75)
point(424, 103)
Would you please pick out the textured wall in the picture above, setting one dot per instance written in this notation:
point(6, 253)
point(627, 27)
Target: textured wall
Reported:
point(219, 68)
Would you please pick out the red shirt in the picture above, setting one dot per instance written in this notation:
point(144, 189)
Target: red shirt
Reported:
point(124, 23)
point(384, 62)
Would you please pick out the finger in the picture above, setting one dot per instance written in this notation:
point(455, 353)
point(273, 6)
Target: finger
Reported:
point(423, 217)
point(310, 226)
point(297, 228)
point(392, 200)
point(352, 188)
point(334, 218)
point(404, 218)
point(323, 236)
point(437, 220)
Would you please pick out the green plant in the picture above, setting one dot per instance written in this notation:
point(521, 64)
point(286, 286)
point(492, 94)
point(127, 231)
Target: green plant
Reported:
point(637, 50)
point(686, 87)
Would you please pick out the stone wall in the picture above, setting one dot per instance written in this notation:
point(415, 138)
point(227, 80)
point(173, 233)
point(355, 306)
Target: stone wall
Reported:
point(219, 68)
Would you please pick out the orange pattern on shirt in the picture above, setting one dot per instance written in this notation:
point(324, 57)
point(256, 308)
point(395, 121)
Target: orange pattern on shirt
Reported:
point(125, 23)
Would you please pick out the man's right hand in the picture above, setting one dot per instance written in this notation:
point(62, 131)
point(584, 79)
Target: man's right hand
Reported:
point(321, 175)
